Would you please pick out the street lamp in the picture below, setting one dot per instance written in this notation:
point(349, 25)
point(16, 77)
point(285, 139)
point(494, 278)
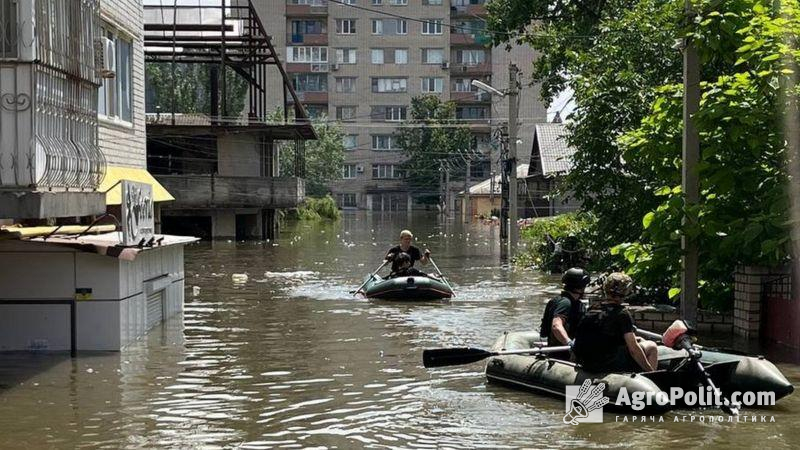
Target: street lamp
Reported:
point(511, 167)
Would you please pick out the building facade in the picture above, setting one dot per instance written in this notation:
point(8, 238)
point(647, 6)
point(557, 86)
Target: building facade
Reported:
point(361, 62)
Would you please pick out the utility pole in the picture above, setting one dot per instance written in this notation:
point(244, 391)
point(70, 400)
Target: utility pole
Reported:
point(513, 93)
point(465, 206)
point(505, 164)
point(442, 200)
point(690, 179)
point(446, 188)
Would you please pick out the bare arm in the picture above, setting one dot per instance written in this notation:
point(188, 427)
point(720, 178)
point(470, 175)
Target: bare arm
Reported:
point(637, 352)
point(425, 257)
point(558, 331)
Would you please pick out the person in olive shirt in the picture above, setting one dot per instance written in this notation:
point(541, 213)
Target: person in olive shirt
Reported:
point(405, 247)
point(606, 341)
point(563, 313)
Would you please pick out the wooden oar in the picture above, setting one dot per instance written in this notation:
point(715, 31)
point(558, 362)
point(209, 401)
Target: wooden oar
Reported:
point(439, 357)
point(385, 262)
point(441, 275)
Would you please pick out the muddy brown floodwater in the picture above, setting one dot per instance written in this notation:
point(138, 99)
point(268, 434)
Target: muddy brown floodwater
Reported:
point(287, 358)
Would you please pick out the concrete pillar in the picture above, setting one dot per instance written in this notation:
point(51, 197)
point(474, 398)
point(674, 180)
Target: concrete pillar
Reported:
point(369, 202)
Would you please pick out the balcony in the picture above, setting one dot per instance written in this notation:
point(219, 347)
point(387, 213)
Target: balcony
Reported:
point(484, 68)
point(313, 10)
point(468, 11)
point(307, 39)
point(313, 97)
point(213, 191)
point(470, 97)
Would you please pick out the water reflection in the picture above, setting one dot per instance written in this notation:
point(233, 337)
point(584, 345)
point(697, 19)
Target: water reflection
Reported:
point(274, 352)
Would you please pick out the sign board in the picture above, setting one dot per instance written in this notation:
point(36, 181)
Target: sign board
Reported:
point(138, 220)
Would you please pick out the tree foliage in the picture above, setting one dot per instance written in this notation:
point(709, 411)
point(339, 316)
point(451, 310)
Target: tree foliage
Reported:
point(432, 139)
point(324, 157)
point(192, 90)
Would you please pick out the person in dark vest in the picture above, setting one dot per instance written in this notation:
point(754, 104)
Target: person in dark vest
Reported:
point(562, 313)
point(406, 238)
point(605, 340)
point(401, 267)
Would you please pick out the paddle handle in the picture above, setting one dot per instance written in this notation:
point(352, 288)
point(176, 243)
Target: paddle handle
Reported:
point(647, 334)
point(385, 261)
point(441, 275)
point(440, 357)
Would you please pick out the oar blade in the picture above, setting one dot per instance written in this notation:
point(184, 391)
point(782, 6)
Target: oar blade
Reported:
point(440, 357)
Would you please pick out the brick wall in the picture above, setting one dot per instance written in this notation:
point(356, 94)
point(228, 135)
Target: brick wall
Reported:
point(657, 320)
point(124, 144)
point(748, 292)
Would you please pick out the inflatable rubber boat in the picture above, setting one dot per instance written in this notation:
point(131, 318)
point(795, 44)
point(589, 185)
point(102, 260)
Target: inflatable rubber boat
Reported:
point(539, 373)
point(406, 288)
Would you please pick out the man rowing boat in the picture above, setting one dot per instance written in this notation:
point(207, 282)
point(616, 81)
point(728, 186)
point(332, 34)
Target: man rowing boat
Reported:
point(406, 237)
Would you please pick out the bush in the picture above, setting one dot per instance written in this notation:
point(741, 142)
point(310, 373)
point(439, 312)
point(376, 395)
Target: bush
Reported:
point(316, 209)
point(557, 243)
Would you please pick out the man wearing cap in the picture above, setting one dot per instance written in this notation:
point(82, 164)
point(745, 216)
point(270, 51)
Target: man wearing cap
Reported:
point(563, 313)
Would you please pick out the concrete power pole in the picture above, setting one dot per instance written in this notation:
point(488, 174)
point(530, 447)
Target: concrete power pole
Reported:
point(465, 206)
point(513, 92)
point(690, 179)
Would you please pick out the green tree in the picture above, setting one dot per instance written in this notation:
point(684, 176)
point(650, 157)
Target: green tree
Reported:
point(192, 91)
point(743, 214)
point(431, 139)
point(324, 157)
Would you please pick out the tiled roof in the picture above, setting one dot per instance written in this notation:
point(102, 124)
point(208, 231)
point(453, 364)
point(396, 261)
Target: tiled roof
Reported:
point(556, 155)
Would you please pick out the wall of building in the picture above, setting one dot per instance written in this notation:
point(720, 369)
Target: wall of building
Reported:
point(239, 155)
point(123, 143)
point(36, 315)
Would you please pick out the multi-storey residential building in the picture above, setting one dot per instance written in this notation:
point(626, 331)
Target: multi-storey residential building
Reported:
point(361, 62)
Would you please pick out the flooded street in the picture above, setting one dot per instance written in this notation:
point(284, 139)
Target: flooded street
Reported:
point(286, 357)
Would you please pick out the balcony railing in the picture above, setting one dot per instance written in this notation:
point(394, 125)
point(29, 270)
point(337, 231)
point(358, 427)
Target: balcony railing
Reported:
point(213, 191)
point(307, 38)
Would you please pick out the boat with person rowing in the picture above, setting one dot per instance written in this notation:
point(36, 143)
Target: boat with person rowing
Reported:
point(729, 371)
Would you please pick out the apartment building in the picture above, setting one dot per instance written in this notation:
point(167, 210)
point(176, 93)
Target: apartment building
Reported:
point(361, 61)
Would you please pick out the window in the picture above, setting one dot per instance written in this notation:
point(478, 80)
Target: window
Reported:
point(349, 2)
point(114, 99)
point(432, 85)
point(388, 113)
point(402, 26)
point(350, 141)
point(316, 111)
point(346, 84)
point(472, 112)
point(301, 27)
point(432, 55)
point(471, 57)
point(346, 55)
point(464, 85)
point(401, 56)
point(349, 171)
point(377, 2)
point(431, 2)
point(311, 82)
point(386, 171)
point(307, 2)
point(389, 85)
point(432, 26)
point(377, 55)
point(345, 113)
point(345, 26)
point(384, 142)
point(377, 26)
point(347, 200)
point(307, 54)
point(398, 2)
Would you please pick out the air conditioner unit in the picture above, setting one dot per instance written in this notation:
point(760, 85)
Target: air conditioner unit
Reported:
point(359, 168)
point(335, 66)
point(104, 57)
point(445, 65)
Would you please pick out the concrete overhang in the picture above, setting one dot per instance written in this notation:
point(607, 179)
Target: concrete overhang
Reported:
point(49, 204)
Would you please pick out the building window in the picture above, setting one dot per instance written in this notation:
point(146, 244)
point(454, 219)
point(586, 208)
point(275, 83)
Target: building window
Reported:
point(346, 55)
point(401, 56)
point(346, 84)
point(311, 82)
point(383, 85)
point(386, 171)
point(383, 142)
point(316, 111)
point(350, 141)
point(349, 2)
point(471, 57)
point(433, 85)
point(307, 54)
point(347, 200)
point(115, 96)
point(377, 26)
point(402, 26)
point(345, 26)
point(303, 27)
point(432, 26)
point(398, 2)
point(388, 113)
point(432, 2)
point(349, 171)
point(464, 85)
point(307, 2)
point(345, 113)
point(469, 27)
point(472, 112)
point(377, 2)
point(432, 55)
point(377, 55)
